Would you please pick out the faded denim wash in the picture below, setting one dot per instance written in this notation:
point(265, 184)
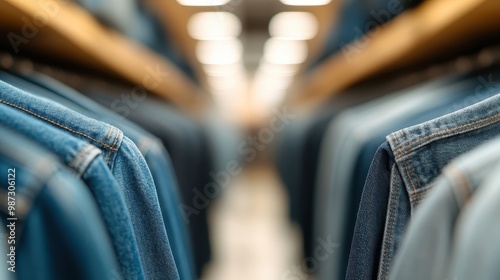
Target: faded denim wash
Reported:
point(127, 166)
point(59, 231)
point(426, 251)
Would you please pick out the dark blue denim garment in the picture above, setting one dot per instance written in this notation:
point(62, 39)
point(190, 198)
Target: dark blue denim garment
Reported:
point(435, 231)
point(127, 166)
point(59, 231)
point(151, 148)
point(400, 207)
point(86, 161)
point(372, 211)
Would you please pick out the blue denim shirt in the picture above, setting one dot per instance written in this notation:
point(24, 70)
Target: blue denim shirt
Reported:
point(127, 166)
point(426, 251)
point(59, 232)
point(477, 250)
point(86, 161)
point(152, 149)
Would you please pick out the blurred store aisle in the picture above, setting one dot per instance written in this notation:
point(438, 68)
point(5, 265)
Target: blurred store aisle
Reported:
point(253, 237)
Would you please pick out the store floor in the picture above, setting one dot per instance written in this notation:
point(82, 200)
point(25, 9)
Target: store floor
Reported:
point(252, 236)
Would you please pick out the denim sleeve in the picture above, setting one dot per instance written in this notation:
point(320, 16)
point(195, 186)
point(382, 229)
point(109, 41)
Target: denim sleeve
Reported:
point(60, 233)
point(85, 161)
point(369, 230)
point(132, 173)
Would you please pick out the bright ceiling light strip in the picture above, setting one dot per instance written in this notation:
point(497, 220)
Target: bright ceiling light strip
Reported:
point(206, 3)
point(219, 52)
point(293, 26)
point(214, 26)
point(305, 2)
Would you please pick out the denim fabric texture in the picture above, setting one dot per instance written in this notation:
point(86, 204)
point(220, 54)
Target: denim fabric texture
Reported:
point(362, 268)
point(426, 252)
point(127, 166)
point(151, 148)
point(420, 153)
point(59, 230)
point(344, 141)
point(187, 145)
point(87, 163)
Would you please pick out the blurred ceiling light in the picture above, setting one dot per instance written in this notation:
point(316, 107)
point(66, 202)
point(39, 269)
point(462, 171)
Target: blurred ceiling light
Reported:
point(225, 83)
point(279, 51)
point(279, 69)
point(305, 2)
point(293, 26)
point(223, 70)
point(219, 52)
point(269, 98)
point(203, 2)
point(214, 25)
point(267, 82)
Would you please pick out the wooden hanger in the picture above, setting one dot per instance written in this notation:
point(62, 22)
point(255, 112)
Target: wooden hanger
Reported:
point(65, 32)
point(435, 29)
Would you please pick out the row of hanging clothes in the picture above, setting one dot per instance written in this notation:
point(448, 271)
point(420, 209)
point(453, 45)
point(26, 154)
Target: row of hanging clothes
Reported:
point(394, 174)
point(107, 143)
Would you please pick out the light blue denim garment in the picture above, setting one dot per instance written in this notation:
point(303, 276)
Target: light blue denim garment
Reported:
point(426, 251)
point(343, 141)
point(86, 161)
point(127, 166)
point(152, 149)
point(476, 248)
point(59, 231)
point(420, 152)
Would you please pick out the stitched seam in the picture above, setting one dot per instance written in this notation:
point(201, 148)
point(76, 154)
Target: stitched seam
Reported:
point(421, 192)
point(114, 143)
point(79, 156)
point(409, 176)
point(54, 123)
point(109, 133)
point(387, 258)
point(116, 140)
point(109, 153)
point(415, 172)
point(395, 139)
point(444, 132)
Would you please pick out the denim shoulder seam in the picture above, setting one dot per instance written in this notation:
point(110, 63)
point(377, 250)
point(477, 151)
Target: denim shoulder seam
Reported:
point(83, 159)
point(117, 136)
point(59, 125)
point(400, 151)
